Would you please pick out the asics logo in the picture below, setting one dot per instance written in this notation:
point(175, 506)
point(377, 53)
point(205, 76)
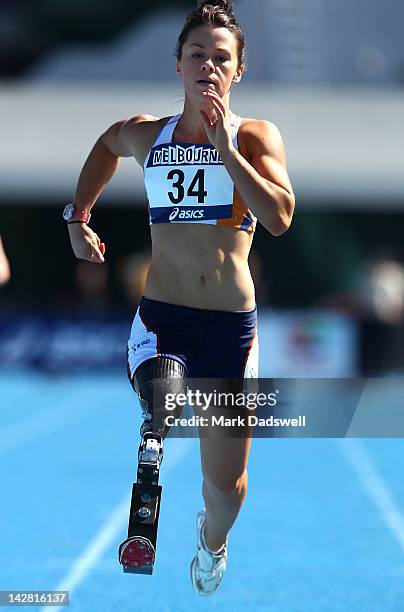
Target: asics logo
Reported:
point(174, 214)
point(186, 213)
point(140, 344)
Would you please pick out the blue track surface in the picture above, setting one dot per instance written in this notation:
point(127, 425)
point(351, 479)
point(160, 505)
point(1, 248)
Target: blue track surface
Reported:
point(313, 535)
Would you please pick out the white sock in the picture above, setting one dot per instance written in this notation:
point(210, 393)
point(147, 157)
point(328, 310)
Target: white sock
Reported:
point(213, 552)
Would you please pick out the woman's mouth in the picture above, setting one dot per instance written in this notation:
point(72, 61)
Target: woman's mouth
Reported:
point(205, 83)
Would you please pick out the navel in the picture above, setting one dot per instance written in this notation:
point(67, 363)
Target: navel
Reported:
point(202, 279)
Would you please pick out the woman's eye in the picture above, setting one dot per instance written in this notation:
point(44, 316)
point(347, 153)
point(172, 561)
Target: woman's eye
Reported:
point(196, 55)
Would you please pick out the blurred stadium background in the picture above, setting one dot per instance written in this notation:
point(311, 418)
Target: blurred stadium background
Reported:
point(330, 291)
point(330, 75)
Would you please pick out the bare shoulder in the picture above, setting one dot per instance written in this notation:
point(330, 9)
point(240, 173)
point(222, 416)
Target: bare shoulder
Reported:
point(260, 136)
point(139, 133)
point(258, 126)
point(138, 124)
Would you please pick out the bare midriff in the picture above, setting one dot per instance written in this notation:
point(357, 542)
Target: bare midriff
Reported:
point(201, 266)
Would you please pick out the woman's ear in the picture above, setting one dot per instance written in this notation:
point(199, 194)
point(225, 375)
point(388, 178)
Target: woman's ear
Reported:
point(239, 74)
point(179, 68)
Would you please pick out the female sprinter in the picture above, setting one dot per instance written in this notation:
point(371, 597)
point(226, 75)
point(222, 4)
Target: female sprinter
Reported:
point(209, 176)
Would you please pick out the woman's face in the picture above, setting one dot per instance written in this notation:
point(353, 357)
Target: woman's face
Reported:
point(209, 61)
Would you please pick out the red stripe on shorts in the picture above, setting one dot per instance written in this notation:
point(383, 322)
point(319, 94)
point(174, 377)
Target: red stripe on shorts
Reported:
point(248, 354)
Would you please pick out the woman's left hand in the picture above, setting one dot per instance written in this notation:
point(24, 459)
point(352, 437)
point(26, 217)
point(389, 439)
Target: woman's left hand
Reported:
point(218, 132)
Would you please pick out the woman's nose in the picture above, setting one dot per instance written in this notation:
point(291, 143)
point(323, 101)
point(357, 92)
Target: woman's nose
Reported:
point(208, 67)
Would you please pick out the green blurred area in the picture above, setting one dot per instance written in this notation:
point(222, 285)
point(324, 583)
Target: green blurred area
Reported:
point(31, 28)
point(317, 258)
point(93, 21)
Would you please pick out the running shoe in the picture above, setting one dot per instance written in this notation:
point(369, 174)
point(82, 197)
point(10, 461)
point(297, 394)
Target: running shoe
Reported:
point(207, 568)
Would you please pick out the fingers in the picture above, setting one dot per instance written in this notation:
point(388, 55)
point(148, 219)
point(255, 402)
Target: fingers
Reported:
point(215, 97)
point(219, 110)
point(205, 119)
point(97, 249)
point(218, 106)
point(86, 243)
point(210, 127)
point(96, 255)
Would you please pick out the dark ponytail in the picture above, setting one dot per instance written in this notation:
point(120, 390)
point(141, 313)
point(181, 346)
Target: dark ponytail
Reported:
point(225, 5)
point(216, 13)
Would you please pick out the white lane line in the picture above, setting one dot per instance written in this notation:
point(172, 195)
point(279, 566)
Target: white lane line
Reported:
point(44, 422)
point(111, 529)
point(374, 485)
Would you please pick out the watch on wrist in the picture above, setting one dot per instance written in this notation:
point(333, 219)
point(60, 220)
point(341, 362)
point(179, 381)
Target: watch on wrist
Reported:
point(72, 214)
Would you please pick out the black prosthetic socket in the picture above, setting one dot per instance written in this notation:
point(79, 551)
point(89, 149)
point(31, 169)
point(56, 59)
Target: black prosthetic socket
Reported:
point(153, 380)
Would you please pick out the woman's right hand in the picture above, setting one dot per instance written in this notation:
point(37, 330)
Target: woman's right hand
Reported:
point(85, 243)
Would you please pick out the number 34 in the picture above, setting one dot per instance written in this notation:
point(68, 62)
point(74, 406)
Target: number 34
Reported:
point(196, 188)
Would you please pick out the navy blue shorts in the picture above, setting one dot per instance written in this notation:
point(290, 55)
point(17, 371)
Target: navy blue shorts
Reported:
point(209, 343)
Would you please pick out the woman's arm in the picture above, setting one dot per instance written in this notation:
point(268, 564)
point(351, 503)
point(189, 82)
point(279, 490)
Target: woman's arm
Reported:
point(263, 181)
point(98, 170)
point(103, 161)
point(4, 266)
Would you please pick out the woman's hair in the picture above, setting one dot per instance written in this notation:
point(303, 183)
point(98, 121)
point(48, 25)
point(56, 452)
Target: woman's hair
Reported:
point(216, 13)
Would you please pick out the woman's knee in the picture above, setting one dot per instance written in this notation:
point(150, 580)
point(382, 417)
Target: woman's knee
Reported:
point(227, 487)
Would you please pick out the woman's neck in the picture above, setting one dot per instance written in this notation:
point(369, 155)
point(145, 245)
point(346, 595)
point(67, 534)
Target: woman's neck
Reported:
point(190, 123)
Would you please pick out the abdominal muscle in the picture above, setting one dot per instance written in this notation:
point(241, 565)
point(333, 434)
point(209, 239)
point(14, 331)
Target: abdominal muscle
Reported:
point(201, 266)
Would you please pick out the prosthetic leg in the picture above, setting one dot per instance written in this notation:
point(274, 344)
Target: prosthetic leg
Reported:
point(152, 381)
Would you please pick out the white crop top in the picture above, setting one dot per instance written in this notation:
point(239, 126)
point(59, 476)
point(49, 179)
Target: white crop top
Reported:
point(188, 183)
